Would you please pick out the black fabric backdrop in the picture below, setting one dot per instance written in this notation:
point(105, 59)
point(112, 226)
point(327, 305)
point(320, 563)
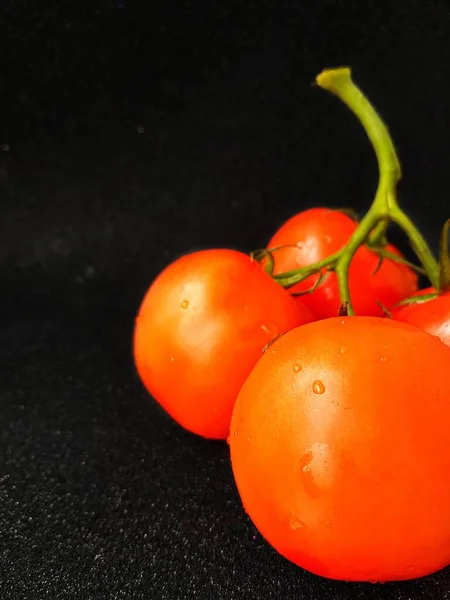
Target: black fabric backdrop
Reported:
point(132, 133)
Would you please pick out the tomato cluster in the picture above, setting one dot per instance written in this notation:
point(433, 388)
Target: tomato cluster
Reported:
point(338, 423)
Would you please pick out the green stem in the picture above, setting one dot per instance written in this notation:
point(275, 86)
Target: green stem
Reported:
point(385, 205)
point(384, 208)
point(418, 244)
point(377, 238)
point(340, 83)
point(444, 259)
point(290, 278)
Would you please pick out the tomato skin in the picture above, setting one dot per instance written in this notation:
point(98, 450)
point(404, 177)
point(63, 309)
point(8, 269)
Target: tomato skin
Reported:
point(432, 315)
point(339, 448)
point(319, 232)
point(201, 328)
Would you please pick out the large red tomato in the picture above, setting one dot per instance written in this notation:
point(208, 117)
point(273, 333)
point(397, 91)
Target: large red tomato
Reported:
point(202, 326)
point(314, 234)
point(431, 315)
point(339, 446)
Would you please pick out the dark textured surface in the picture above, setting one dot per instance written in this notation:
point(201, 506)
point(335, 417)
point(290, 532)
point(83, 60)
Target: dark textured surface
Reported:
point(131, 135)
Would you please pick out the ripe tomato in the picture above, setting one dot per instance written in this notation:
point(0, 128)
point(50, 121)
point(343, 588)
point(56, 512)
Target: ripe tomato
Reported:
point(339, 447)
point(431, 315)
point(201, 328)
point(317, 233)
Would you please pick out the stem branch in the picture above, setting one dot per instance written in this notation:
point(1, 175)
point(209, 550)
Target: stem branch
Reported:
point(384, 209)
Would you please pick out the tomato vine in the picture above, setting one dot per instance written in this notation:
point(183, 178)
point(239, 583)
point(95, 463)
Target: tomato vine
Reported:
point(384, 209)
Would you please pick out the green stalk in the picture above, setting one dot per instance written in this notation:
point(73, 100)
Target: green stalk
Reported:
point(384, 208)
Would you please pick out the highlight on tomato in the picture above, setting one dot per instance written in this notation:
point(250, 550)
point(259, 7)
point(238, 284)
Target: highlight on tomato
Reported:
point(201, 327)
point(339, 448)
point(317, 233)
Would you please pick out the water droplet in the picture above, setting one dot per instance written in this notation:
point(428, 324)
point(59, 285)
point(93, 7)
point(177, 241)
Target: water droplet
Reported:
point(184, 304)
point(297, 368)
point(296, 523)
point(327, 239)
point(318, 387)
point(172, 359)
point(383, 358)
point(342, 322)
point(342, 350)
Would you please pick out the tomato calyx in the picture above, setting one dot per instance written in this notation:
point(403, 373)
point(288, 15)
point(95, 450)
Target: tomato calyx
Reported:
point(349, 212)
point(385, 310)
point(263, 254)
point(372, 228)
point(290, 278)
point(444, 271)
point(383, 254)
point(419, 299)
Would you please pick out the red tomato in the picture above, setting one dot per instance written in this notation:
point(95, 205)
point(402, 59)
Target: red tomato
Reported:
point(200, 330)
point(317, 233)
point(431, 315)
point(339, 446)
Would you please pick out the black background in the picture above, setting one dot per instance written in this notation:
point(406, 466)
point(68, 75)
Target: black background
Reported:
point(133, 132)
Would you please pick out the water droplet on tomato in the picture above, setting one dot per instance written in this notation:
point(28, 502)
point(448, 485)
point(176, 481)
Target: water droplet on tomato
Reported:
point(172, 359)
point(297, 368)
point(328, 239)
point(342, 350)
point(296, 523)
point(383, 358)
point(184, 304)
point(342, 322)
point(318, 387)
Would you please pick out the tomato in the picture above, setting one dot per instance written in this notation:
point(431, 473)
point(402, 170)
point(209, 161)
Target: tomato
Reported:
point(339, 448)
point(431, 315)
point(201, 327)
point(317, 233)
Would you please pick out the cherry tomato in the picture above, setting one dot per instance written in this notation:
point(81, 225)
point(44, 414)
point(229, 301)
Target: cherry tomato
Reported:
point(431, 315)
point(201, 327)
point(339, 447)
point(317, 233)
